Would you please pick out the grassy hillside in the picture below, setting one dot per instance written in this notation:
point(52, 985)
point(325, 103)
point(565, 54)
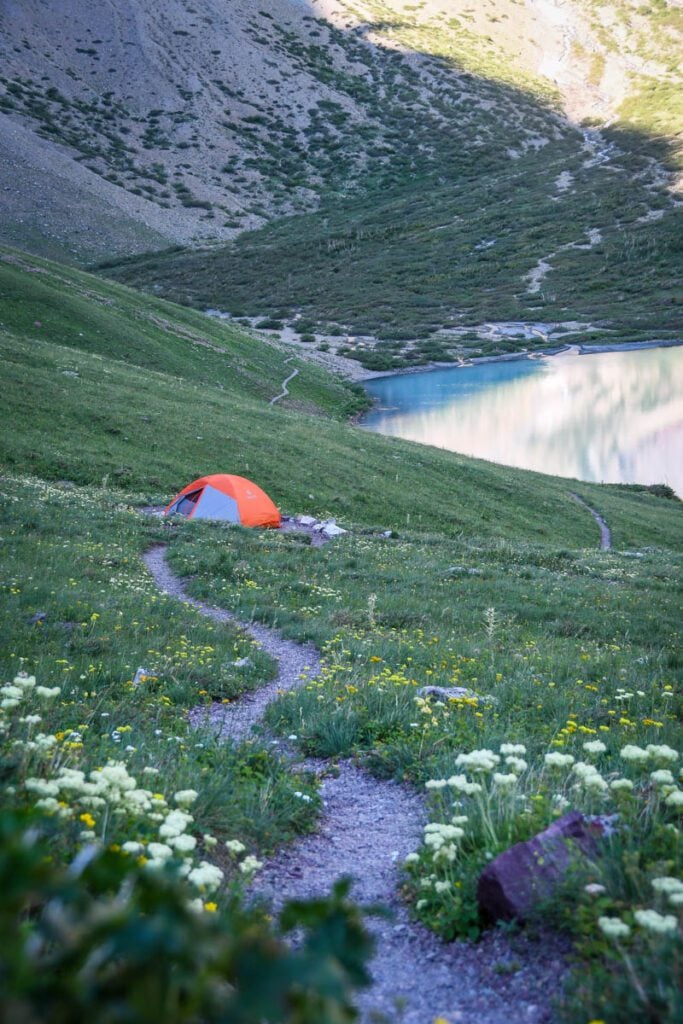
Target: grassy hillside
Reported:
point(405, 278)
point(492, 580)
point(112, 385)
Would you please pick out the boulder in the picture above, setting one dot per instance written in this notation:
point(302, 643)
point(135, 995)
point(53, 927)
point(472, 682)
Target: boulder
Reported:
point(455, 693)
point(529, 872)
point(332, 530)
point(140, 674)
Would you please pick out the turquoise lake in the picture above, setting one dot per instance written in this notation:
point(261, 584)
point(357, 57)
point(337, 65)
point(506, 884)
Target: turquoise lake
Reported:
point(615, 417)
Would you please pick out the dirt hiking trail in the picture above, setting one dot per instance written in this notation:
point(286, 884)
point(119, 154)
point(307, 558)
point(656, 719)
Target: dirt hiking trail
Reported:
point(367, 828)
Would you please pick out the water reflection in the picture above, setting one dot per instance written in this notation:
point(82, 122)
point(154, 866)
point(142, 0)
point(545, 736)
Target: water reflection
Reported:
point(614, 416)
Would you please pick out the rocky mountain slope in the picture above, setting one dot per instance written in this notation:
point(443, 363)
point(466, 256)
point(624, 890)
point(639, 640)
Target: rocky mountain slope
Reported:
point(128, 126)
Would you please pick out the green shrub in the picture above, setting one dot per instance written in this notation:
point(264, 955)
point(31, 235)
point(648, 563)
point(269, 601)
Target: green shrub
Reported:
point(103, 938)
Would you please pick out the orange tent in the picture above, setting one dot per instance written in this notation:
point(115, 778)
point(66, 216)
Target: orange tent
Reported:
point(228, 497)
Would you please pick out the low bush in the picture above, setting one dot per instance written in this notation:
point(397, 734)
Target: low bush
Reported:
point(102, 937)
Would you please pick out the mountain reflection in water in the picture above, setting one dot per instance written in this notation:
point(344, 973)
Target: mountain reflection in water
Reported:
point(614, 416)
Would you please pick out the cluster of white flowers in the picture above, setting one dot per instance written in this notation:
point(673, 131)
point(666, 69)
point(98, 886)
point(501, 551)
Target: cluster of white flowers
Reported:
point(634, 754)
point(478, 760)
point(620, 784)
point(12, 694)
point(512, 748)
point(660, 924)
point(595, 747)
point(660, 752)
point(557, 760)
point(108, 795)
point(589, 777)
point(669, 887)
point(653, 751)
point(249, 866)
point(461, 784)
point(613, 927)
point(442, 839)
point(503, 781)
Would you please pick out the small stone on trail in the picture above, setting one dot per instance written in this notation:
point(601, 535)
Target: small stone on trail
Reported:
point(243, 663)
point(306, 520)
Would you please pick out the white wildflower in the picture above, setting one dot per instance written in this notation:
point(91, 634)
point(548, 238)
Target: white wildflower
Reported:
point(675, 799)
point(557, 760)
point(159, 851)
point(185, 797)
point(633, 753)
point(460, 783)
point(660, 924)
point(504, 781)
point(613, 927)
point(14, 692)
point(619, 784)
point(25, 682)
point(235, 846)
point(512, 748)
point(206, 876)
point(43, 787)
point(667, 884)
point(595, 747)
point(132, 847)
point(478, 760)
point(660, 752)
point(516, 764)
point(175, 823)
point(662, 777)
point(250, 865)
point(183, 843)
point(49, 804)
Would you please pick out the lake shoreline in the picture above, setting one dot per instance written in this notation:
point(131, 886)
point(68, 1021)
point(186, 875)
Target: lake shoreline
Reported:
point(508, 357)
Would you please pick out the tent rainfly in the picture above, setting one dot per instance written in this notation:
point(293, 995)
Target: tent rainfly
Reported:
point(227, 497)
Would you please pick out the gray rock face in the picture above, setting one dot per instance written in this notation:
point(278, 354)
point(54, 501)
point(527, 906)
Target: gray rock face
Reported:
point(528, 872)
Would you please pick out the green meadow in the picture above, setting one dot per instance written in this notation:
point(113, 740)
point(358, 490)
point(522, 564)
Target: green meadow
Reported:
point(491, 579)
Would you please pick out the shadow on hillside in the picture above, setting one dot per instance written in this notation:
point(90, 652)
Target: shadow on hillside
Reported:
point(451, 219)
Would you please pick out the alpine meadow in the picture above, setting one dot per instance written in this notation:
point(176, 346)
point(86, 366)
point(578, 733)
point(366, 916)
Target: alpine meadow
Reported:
point(412, 751)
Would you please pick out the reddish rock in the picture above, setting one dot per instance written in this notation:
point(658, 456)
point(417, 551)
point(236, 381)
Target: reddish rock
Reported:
point(528, 872)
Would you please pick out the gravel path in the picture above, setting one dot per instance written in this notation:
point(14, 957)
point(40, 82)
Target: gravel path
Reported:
point(368, 827)
point(296, 662)
point(285, 389)
point(605, 532)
